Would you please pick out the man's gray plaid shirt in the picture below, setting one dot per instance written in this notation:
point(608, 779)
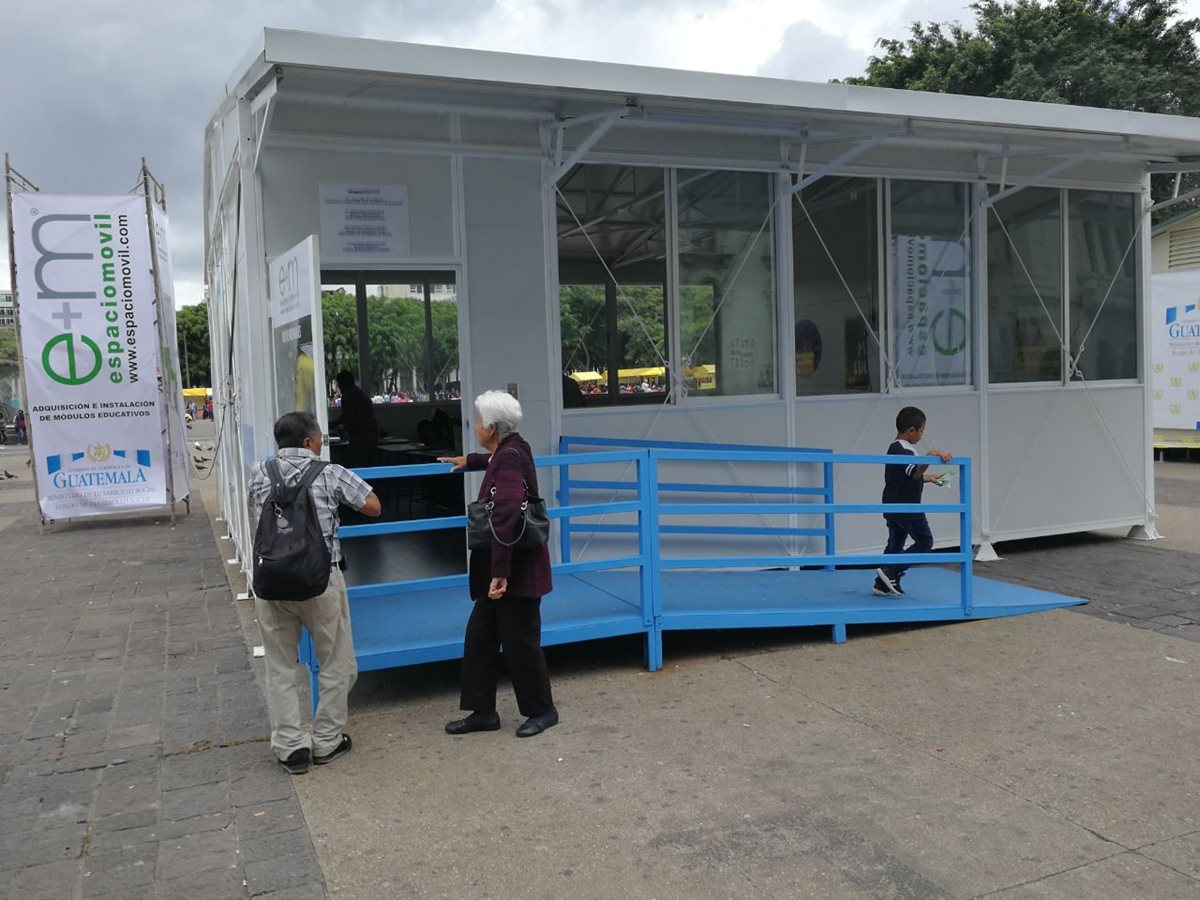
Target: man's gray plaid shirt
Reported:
point(334, 485)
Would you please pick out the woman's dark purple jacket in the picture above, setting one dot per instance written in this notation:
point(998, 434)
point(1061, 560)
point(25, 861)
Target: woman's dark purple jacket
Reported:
point(527, 569)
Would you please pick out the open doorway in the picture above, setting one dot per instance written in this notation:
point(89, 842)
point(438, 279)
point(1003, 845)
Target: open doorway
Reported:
point(392, 371)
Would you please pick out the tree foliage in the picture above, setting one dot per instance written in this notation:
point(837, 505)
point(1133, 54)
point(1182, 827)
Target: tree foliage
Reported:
point(8, 343)
point(191, 331)
point(1136, 55)
point(397, 341)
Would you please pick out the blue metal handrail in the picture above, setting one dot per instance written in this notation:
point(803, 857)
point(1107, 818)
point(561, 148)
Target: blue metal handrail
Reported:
point(650, 509)
point(726, 452)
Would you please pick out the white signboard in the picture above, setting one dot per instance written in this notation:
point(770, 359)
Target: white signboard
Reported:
point(1175, 348)
point(172, 385)
point(364, 223)
point(90, 346)
point(296, 332)
point(930, 311)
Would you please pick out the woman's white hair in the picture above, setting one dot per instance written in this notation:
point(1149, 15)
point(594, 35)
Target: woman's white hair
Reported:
point(501, 409)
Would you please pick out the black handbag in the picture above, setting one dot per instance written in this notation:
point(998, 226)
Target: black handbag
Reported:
point(535, 523)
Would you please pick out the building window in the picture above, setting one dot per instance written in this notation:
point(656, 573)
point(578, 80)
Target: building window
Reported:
point(1102, 263)
point(835, 249)
point(393, 334)
point(930, 284)
point(612, 272)
point(1025, 287)
point(726, 281)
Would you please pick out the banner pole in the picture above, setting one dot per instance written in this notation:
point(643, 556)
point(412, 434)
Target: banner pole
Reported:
point(10, 175)
point(163, 358)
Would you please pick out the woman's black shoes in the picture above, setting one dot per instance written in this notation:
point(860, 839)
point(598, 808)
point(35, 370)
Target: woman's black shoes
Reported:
point(476, 721)
point(537, 724)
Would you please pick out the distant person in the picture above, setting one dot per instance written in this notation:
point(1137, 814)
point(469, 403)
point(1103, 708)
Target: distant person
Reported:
point(21, 427)
point(326, 616)
point(506, 582)
point(358, 422)
point(903, 483)
point(3, 428)
point(572, 393)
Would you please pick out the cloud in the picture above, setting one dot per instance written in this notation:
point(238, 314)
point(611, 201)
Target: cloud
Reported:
point(807, 53)
point(87, 89)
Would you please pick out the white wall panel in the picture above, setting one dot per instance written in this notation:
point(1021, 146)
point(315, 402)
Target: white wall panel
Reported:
point(1053, 464)
point(291, 209)
point(507, 306)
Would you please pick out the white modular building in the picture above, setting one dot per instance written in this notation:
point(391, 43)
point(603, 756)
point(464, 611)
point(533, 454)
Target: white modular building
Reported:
point(651, 254)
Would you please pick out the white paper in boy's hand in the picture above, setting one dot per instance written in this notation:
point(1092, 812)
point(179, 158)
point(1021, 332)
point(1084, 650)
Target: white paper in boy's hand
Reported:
point(943, 480)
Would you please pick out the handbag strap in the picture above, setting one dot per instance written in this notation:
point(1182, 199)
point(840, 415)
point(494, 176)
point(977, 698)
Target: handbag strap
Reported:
point(524, 520)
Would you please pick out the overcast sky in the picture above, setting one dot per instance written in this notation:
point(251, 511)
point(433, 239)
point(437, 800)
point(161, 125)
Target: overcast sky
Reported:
point(87, 88)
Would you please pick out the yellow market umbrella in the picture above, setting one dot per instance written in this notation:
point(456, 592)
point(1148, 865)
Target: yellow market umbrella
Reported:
point(587, 376)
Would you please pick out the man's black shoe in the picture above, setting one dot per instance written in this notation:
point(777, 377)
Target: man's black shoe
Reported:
point(340, 750)
point(476, 721)
point(538, 724)
point(297, 761)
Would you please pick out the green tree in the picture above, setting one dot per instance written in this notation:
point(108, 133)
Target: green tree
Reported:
point(191, 333)
point(8, 343)
point(339, 327)
point(583, 323)
point(1135, 55)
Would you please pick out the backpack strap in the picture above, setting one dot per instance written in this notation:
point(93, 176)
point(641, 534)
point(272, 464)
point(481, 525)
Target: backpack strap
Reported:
point(284, 494)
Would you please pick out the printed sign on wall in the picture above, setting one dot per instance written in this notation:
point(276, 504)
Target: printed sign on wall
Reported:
point(364, 223)
point(930, 311)
point(1175, 350)
point(90, 346)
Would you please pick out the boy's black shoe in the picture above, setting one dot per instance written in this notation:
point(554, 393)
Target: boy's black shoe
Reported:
point(297, 761)
point(884, 577)
point(879, 589)
point(896, 582)
point(340, 750)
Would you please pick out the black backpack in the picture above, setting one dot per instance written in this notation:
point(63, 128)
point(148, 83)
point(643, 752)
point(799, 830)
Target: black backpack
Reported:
point(291, 557)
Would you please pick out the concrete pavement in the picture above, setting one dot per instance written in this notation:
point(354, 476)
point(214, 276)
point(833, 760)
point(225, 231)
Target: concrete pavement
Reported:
point(133, 755)
point(1050, 755)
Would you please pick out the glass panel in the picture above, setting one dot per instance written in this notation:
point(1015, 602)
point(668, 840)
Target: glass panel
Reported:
point(398, 364)
point(1103, 268)
point(1025, 287)
point(583, 324)
point(835, 247)
point(642, 341)
point(930, 300)
point(339, 324)
point(727, 281)
point(612, 271)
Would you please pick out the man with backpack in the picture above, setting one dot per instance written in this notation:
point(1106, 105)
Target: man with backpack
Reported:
point(298, 581)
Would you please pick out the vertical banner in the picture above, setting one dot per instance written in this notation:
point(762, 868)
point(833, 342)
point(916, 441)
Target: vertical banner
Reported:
point(85, 291)
point(296, 338)
point(1175, 350)
point(171, 382)
point(930, 311)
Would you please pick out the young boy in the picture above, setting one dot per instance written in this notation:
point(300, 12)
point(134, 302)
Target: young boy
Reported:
point(903, 484)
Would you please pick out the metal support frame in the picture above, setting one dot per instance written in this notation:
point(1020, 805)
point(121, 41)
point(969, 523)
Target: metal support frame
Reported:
point(563, 166)
point(14, 179)
point(151, 189)
point(1060, 166)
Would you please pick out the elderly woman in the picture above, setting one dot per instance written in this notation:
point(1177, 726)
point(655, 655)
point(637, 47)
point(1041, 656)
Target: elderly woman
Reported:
point(507, 583)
